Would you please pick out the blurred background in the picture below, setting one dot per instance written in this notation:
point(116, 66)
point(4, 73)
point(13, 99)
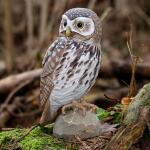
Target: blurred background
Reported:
point(28, 27)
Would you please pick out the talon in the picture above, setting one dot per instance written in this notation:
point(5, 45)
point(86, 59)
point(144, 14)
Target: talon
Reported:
point(74, 105)
point(66, 108)
point(94, 109)
point(90, 107)
point(63, 111)
point(83, 111)
point(81, 106)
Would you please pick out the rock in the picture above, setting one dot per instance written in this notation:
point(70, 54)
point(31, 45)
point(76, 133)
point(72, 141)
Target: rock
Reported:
point(76, 124)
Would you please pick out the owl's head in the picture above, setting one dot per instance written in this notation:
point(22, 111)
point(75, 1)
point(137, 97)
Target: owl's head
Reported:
point(81, 23)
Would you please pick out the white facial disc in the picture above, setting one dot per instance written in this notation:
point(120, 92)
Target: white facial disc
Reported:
point(82, 31)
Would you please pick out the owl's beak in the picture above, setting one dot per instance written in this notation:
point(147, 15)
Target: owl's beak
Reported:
point(68, 31)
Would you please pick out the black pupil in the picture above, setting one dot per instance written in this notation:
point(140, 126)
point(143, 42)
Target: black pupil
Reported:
point(65, 23)
point(80, 24)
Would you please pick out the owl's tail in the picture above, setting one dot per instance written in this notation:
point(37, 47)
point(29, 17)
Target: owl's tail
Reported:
point(48, 116)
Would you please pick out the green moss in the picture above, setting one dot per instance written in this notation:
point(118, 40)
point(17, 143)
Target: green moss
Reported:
point(38, 139)
point(7, 137)
point(103, 114)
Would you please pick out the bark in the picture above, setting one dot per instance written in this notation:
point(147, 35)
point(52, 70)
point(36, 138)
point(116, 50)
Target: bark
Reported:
point(135, 121)
point(120, 68)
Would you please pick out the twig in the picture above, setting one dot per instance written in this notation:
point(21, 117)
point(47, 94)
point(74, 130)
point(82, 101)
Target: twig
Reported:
point(57, 9)
point(5, 115)
point(43, 20)
point(110, 98)
point(6, 129)
point(129, 42)
point(86, 147)
point(134, 59)
point(28, 132)
point(32, 113)
point(29, 14)
point(91, 4)
point(10, 82)
point(6, 109)
point(15, 90)
point(21, 138)
point(105, 13)
point(142, 14)
point(2, 67)
point(9, 46)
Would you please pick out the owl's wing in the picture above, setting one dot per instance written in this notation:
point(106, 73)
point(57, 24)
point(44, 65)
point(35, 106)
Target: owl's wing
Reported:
point(50, 62)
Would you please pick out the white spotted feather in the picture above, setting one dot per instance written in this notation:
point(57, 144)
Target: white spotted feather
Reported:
point(71, 64)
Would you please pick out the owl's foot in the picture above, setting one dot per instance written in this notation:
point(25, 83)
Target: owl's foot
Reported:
point(81, 106)
point(89, 106)
point(72, 106)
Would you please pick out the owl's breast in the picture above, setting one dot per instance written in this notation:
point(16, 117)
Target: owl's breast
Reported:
point(75, 74)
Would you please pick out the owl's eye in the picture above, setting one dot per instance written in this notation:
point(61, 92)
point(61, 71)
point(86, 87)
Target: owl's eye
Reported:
point(65, 23)
point(80, 25)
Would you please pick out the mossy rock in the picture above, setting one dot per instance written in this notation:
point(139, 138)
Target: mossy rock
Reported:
point(39, 139)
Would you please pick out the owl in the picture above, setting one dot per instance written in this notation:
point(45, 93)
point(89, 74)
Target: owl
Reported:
point(71, 63)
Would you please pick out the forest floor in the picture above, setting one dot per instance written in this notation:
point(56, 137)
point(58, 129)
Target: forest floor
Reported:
point(25, 37)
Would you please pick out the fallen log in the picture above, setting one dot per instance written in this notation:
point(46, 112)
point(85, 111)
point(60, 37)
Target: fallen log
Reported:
point(123, 69)
point(135, 121)
point(10, 82)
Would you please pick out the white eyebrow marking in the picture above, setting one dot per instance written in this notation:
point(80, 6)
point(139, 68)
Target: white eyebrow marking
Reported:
point(83, 19)
point(64, 17)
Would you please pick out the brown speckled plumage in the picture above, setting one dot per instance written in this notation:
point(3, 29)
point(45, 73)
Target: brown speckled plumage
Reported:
point(71, 65)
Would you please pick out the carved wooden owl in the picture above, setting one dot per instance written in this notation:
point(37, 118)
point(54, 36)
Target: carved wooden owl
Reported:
point(72, 62)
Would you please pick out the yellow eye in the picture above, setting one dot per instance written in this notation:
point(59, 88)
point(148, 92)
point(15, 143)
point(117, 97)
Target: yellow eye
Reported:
point(80, 25)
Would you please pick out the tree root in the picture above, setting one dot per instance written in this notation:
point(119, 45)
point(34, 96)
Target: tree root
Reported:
point(135, 121)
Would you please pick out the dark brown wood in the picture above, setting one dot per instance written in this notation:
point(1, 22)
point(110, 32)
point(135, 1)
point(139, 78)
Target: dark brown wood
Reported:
point(123, 68)
point(7, 84)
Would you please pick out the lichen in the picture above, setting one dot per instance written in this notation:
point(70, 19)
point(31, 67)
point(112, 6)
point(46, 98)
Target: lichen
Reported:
point(38, 139)
point(141, 99)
